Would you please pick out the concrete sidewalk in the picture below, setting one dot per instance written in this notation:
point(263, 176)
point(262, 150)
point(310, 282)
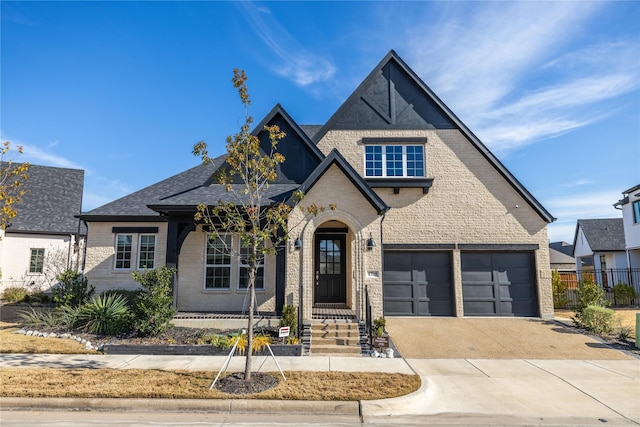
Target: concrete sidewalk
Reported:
point(518, 391)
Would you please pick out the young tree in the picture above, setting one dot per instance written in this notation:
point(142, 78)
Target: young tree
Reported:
point(12, 177)
point(261, 227)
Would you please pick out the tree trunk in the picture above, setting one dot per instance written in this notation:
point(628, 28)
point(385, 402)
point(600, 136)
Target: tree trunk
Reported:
point(252, 304)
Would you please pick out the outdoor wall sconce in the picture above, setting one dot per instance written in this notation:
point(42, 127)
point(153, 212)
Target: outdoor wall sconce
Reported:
point(370, 243)
point(297, 245)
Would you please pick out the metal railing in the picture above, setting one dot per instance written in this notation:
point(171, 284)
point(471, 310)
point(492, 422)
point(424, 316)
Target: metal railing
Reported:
point(368, 322)
point(605, 279)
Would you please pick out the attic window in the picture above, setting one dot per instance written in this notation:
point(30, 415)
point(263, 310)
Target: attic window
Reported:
point(394, 161)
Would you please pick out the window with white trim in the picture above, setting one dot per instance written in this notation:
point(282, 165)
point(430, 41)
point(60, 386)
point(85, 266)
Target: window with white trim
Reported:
point(146, 252)
point(124, 247)
point(36, 261)
point(394, 161)
point(243, 269)
point(218, 262)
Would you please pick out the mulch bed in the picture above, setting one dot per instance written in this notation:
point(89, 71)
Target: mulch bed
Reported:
point(236, 384)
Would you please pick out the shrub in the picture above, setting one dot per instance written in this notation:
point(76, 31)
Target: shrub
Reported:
point(624, 294)
point(378, 326)
point(290, 318)
point(589, 293)
point(106, 315)
point(260, 341)
point(63, 318)
point(130, 296)
point(15, 294)
point(560, 288)
point(597, 319)
point(73, 289)
point(153, 309)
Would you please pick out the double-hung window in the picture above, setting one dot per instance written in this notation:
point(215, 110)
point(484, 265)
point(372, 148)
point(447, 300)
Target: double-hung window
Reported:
point(394, 161)
point(124, 247)
point(243, 267)
point(218, 263)
point(146, 252)
point(36, 261)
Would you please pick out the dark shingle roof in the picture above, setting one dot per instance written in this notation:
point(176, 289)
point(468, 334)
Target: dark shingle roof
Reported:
point(563, 247)
point(557, 257)
point(53, 198)
point(603, 234)
point(310, 130)
point(135, 204)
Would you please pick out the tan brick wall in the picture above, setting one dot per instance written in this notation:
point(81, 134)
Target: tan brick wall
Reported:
point(469, 202)
point(100, 264)
point(191, 295)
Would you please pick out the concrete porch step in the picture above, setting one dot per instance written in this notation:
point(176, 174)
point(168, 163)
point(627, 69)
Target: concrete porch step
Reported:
point(341, 350)
point(348, 333)
point(337, 337)
point(355, 341)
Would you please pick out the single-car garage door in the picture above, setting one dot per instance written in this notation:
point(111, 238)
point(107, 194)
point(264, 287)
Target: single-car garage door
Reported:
point(417, 283)
point(498, 284)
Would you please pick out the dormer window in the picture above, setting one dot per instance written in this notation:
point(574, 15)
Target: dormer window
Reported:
point(394, 161)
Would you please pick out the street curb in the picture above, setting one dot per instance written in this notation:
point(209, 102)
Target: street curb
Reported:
point(226, 406)
point(400, 404)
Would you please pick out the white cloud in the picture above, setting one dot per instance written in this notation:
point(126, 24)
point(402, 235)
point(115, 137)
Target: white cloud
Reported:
point(293, 60)
point(581, 205)
point(584, 205)
point(504, 69)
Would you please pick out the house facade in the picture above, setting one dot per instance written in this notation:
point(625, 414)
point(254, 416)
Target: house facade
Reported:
point(45, 238)
point(630, 207)
point(599, 245)
point(427, 221)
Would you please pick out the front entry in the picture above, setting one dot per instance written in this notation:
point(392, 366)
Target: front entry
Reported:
point(330, 282)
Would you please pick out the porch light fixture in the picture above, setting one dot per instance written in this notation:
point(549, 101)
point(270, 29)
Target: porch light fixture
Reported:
point(370, 243)
point(297, 245)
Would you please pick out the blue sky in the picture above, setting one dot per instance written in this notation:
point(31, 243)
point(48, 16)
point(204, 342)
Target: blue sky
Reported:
point(124, 89)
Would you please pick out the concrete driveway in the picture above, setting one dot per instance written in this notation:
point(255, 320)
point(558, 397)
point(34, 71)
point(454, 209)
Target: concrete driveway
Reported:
point(494, 338)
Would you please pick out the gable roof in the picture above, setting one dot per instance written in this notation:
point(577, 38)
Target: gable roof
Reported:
point(53, 198)
point(557, 257)
point(335, 158)
point(135, 205)
point(185, 191)
point(392, 96)
point(603, 235)
point(563, 247)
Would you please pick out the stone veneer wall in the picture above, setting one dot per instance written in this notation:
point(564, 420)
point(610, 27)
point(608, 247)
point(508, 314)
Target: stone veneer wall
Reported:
point(469, 203)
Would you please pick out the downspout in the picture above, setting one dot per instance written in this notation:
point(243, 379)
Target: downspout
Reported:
point(384, 215)
point(84, 251)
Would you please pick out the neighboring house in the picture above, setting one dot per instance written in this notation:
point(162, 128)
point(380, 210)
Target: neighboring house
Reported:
point(45, 237)
point(561, 256)
point(602, 242)
point(630, 207)
point(428, 221)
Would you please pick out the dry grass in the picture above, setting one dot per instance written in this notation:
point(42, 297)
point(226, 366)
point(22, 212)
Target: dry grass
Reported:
point(137, 383)
point(15, 343)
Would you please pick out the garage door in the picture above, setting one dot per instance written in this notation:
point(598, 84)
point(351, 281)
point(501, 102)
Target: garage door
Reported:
point(417, 283)
point(498, 284)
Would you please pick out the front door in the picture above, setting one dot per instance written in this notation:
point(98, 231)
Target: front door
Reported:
point(330, 255)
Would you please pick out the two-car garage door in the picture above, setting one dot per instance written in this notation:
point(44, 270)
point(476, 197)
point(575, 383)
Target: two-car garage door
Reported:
point(420, 283)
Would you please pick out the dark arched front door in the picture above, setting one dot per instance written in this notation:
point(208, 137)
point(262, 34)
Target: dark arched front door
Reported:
point(330, 256)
